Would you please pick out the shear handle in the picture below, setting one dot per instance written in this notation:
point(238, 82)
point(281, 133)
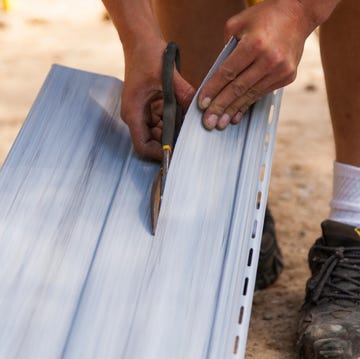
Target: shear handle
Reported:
point(171, 58)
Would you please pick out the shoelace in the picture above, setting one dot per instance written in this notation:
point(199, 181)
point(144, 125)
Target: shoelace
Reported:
point(339, 277)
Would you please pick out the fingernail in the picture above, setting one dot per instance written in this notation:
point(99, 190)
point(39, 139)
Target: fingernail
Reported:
point(224, 121)
point(237, 117)
point(211, 121)
point(205, 103)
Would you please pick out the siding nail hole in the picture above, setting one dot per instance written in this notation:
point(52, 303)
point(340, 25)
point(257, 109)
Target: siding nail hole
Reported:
point(250, 257)
point(241, 314)
point(253, 234)
point(258, 200)
point(236, 344)
point(245, 286)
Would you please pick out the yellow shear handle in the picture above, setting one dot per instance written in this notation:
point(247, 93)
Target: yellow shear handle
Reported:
point(252, 2)
point(167, 148)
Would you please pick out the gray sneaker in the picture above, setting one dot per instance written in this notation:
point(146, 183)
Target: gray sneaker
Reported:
point(330, 318)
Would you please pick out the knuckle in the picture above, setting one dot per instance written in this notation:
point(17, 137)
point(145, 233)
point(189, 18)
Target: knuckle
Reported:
point(279, 62)
point(257, 44)
point(252, 94)
point(275, 59)
point(238, 89)
point(271, 63)
point(227, 73)
point(289, 70)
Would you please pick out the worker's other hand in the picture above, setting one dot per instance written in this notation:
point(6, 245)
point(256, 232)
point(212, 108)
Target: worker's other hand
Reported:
point(271, 38)
point(142, 99)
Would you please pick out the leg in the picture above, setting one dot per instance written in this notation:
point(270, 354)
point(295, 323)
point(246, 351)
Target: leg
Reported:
point(340, 50)
point(200, 39)
point(339, 40)
point(329, 327)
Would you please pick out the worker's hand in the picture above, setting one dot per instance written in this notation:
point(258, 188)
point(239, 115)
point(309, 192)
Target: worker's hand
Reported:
point(271, 40)
point(142, 100)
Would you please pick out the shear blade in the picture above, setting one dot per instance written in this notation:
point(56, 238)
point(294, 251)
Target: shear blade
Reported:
point(155, 202)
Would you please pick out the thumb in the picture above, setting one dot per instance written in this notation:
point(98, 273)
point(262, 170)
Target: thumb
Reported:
point(184, 92)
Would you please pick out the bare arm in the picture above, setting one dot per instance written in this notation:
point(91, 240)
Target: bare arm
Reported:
point(271, 38)
point(135, 22)
point(317, 11)
point(143, 46)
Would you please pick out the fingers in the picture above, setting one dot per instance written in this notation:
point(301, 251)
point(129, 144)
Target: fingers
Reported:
point(234, 112)
point(142, 111)
point(155, 119)
point(234, 99)
point(146, 141)
point(229, 93)
point(227, 74)
point(145, 127)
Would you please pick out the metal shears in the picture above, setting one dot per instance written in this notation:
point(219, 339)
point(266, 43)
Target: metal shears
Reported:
point(172, 121)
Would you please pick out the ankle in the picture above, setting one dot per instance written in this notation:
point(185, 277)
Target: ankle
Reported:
point(345, 204)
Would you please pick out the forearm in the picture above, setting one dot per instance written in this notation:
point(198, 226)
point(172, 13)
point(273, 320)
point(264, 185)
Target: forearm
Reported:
point(319, 10)
point(134, 20)
point(313, 12)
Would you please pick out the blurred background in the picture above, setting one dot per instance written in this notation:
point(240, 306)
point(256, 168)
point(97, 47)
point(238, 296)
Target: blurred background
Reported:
point(38, 33)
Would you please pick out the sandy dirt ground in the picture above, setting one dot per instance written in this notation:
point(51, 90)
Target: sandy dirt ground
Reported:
point(38, 33)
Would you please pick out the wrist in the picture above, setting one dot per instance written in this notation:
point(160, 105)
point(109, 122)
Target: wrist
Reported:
point(140, 35)
point(310, 14)
point(145, 49)
point(318, 11)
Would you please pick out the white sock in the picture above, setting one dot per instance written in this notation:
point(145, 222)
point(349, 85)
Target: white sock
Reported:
point(345, 204)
